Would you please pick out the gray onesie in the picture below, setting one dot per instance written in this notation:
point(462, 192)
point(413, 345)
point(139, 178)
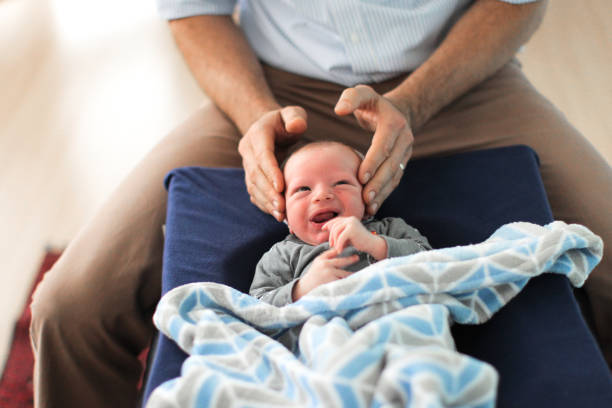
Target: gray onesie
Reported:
point(281, 267)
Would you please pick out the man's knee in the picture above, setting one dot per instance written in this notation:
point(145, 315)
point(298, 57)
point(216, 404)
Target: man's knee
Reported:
point(62, 307)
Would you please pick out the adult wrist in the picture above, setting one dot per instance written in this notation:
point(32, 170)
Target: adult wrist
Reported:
point(402, 101)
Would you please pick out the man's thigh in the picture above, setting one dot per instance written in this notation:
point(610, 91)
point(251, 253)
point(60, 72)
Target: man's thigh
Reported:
point(507, 110)
point(120, 248)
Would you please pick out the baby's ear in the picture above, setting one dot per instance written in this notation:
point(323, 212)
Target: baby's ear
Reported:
point(287, 224)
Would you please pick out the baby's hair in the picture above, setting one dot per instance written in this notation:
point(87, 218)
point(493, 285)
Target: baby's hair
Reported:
point(299, 147)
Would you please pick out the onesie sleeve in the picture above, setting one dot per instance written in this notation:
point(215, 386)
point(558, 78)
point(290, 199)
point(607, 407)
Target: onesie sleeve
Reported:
point(401, 238)
point(274, 278)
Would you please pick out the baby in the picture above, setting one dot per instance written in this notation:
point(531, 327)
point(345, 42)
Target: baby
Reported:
point(329, 236)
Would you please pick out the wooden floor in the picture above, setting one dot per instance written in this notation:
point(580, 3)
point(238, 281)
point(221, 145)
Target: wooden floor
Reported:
point(86, 88)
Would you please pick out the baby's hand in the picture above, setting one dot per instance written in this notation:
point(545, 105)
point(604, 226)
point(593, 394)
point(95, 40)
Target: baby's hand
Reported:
point(325, 268)
point(345, 231)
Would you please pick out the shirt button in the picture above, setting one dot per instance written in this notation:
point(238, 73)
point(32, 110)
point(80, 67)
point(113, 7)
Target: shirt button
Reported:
point(354, 38)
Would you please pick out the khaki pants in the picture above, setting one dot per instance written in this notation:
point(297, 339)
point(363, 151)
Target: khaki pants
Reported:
point(92, 312)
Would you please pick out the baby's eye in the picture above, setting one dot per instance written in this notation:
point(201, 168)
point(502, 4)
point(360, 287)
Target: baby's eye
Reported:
point(303, 188)
point(342, 182)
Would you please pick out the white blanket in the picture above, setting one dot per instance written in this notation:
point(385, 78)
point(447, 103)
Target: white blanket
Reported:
point(380, 337)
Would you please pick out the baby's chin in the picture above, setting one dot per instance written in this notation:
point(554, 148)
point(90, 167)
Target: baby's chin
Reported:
point(314, 239)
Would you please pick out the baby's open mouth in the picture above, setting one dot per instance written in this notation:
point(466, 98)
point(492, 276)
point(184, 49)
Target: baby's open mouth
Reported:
point(324, 217)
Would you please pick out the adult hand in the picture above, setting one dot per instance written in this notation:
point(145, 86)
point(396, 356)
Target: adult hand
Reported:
point(325, 268)
point(263, 177)
point(391, 148)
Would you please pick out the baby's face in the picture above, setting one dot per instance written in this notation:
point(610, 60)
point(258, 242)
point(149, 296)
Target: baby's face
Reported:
point(321, 183)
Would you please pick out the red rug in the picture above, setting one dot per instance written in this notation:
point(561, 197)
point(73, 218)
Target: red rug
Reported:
point(16, 383)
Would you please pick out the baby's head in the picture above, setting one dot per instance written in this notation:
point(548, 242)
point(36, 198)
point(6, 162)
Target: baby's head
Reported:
point(321, 183)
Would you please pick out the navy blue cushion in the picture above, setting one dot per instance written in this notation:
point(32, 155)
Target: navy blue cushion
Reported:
point(539, 342)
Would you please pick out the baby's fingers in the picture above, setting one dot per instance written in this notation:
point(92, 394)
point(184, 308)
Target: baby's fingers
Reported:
point(342, 240)
point(333, 236)
point(341, 273)
point(329, 254)
point(335, 231)
point(329, 225)
point(343, 262)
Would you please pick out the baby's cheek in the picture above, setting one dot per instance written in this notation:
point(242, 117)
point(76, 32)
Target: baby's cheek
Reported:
point(359, 209)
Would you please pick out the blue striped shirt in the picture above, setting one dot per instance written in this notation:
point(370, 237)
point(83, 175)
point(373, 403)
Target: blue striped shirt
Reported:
point(342, 41)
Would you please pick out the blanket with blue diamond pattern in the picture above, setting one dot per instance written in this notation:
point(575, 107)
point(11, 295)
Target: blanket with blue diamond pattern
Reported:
point(380, 337)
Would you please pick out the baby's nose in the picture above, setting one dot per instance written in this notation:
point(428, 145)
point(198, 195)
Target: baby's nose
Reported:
point(324, 195)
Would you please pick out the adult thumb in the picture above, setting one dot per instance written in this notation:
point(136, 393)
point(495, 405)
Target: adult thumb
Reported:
point(294, 118)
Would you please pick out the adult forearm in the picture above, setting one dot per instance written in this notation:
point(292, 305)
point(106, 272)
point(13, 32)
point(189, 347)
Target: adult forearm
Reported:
point(225, 67)
point(485, 38)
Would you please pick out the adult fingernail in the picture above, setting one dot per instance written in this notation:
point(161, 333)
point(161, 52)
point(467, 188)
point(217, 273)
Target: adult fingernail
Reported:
point(275, 203)
point(366, 177)
point(276, 214)
point(371, 195)
point(373, 208)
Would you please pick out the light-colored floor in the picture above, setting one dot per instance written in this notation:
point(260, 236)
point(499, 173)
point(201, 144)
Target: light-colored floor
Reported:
point(86, 88)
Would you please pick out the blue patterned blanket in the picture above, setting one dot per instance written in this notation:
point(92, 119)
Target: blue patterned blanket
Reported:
point(380, 337)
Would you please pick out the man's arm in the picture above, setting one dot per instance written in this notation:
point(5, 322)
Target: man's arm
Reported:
point(484, 39)
point(226, 68)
